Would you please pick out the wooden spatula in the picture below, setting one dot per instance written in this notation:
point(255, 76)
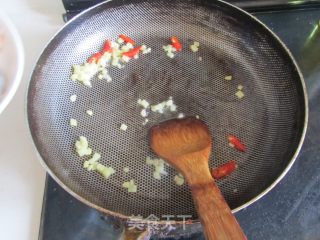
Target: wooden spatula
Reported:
point(186, 145)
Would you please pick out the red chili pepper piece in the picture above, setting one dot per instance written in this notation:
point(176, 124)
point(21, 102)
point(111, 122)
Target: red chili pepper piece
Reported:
point(132, 52)
point(176, 43)
point(127, 39)
point(106, 46)
point(224, 170)
point(237, 143)
point(94, 58)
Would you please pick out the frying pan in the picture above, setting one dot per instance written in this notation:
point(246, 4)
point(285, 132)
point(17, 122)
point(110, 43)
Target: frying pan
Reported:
point(271, 119)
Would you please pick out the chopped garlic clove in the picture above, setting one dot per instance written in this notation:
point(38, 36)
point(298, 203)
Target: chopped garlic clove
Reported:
point(86, 164)
point(123, 127)
point(156, 175)
point(103, 62)
point(129, 45)
point(92, 163)
point(125, 58)
point(146, 51)
point(82, 147)
point(169, 103)
point(179, 180)
point(73, 98)
point(95, 158)
point(115, 61)
point(83, 73)
point(181, 115)
point(90, 167)
point(149, 161)
point(161, 107)
point(159, 167)
point(73, 122)
point(170, 55)
point(120, 40)
point(120, 66)
point(169, 49)
point(106, 172)
point(173, 108)
point(115, 45)
point(240, 87)
point(132, 189)
point(158, 107)
point(74, 77)
point(145, 121)
point(89, 112)
point(228, 78)
point(194, 48)
point(197, 44)
point(144, 113)
point(126, 169)
point(108, 78)
point(239, 94)
point(131, 186)
point(144, 103)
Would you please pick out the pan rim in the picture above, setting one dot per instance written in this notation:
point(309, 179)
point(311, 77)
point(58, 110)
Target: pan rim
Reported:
point(161, 222)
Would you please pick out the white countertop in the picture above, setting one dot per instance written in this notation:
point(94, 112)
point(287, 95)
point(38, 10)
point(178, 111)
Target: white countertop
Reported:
point(21, 175)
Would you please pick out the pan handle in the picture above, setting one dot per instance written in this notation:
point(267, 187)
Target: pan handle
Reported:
point(134, 234)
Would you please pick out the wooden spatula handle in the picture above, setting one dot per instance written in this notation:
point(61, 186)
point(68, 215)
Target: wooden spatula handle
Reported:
point(216, 217)
point(186, 144)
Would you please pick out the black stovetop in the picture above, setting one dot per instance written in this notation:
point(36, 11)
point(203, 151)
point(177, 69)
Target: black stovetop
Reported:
point(74, 7)
point(290, 211)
